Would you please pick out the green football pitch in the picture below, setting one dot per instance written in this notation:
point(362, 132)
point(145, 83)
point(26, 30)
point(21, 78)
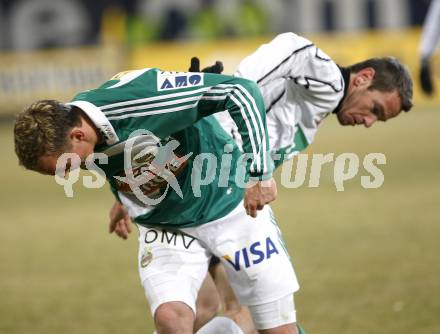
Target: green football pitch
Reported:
point(368, 260)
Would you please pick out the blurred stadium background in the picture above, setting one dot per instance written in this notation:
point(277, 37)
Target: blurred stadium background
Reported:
point(368, 260)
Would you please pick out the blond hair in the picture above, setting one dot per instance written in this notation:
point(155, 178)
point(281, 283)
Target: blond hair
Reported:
point(41, 129)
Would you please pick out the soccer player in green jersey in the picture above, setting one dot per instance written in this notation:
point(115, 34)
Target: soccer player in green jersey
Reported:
point(152, 134)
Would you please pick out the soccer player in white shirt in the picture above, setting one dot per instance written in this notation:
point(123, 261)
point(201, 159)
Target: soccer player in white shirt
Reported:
point(301, 86)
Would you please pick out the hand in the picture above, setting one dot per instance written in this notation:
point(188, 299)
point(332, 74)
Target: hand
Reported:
point(425, 78)
point(195, 66)
point(258, 195)
point(120, 221)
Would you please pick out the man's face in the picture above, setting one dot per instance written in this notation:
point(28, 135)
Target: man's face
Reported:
point(366, 106)
point(47, 163)
point(81, 141)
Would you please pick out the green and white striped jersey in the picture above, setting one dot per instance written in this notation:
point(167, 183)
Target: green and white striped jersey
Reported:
point(177, 106)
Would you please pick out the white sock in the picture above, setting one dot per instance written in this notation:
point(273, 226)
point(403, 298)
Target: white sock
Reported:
point(220, 325)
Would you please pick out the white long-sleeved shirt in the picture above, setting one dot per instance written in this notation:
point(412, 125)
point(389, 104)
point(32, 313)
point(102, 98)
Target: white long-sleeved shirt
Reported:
point(300, 85)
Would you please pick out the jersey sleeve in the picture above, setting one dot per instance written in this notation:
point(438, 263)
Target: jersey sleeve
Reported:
point(242, 100)
point(280, 58)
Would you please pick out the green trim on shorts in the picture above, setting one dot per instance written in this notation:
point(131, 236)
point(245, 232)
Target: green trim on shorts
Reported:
point(301, 330)
point(280, 237)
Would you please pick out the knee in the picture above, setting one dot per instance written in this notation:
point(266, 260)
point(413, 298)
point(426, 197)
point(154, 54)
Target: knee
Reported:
point(174, 317)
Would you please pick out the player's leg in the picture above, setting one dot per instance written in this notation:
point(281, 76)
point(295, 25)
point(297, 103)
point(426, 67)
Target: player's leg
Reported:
point(231, 308)
point(207, 304)
point(174, 317)
point(275, 317)
point(217, 295)
point(172, 266)
point(232, 311)
point(220, 325)
point(258, 267)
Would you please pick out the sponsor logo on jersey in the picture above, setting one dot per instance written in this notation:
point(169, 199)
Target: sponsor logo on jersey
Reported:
point(147, 257)
point(151, 168)
point(174, 238)
point(252, 255)
point(178, 80)
point(155, 180)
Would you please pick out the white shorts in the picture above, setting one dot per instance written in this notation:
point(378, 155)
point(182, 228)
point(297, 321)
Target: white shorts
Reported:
point(173, 263)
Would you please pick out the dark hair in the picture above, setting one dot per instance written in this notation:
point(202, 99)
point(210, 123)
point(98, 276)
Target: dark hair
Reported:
point(390, 75)
point(41, 129)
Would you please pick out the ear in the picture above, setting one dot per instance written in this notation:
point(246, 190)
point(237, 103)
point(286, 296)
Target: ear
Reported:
point(77, 135)
point(364, 77)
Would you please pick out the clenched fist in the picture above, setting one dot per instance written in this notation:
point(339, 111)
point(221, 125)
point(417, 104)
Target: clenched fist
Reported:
point(120, 221)
point(258, 195)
